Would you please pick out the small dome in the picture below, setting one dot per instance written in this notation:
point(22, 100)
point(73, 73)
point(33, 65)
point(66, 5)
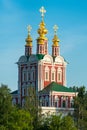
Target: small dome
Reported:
point(22, 59)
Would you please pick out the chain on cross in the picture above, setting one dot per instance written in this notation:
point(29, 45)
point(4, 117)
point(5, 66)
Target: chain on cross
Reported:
point(55, 29)
point(29, 28)
point(42, 11)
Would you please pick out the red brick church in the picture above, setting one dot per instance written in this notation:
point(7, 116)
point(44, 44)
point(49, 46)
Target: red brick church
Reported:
point(45, 72)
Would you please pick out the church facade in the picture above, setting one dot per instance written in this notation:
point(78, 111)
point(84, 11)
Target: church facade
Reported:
point(45, 72)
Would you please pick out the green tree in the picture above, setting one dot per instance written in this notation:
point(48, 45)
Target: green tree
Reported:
point(20, 120)
point(11, 117)
point(55, 122)
point(68, 123)
point(32, 106)
point(80, 113)
point(5, 104)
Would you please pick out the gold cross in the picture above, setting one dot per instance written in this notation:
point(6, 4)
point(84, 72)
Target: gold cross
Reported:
point(42, 11)
point(55, 29)
point(29, 28)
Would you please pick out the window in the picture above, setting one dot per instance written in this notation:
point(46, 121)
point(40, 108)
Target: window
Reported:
point(29, 76)
point(24, 76)
point(53, 76)
point(59, 75)
point(47, 76)
point(40, 49)
point(64, 103)
point(46, 73)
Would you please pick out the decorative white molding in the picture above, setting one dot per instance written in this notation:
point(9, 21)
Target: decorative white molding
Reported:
point(48, 58)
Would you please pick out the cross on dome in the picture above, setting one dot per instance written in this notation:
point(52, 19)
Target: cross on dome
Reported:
point(29, 28)
point(42, 11)
point(55, 29)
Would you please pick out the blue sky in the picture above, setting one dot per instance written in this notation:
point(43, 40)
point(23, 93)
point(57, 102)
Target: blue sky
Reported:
point(71, 18)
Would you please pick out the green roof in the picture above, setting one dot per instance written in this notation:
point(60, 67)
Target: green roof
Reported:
point(15, 92)
point(58, 88)
point(40, 56)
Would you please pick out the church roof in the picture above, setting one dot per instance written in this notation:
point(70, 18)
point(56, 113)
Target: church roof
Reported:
point(40, 56)
point(57, 87)
point(15, 92)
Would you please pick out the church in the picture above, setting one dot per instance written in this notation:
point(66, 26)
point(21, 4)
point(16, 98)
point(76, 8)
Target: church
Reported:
point(45, 72)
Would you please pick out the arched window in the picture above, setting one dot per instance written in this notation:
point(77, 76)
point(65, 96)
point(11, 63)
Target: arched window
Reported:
point(24, 75)
point(33, 73)
point(59, 75)
point(53, 74)
point(46, 73)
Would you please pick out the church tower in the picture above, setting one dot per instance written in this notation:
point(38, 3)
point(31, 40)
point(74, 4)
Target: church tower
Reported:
point(44, 72)
point(55, 46)
point(28, 46)
point(42, 41)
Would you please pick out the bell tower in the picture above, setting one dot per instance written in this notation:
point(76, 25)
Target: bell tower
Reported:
point(55, 45)
point(28, 46)
point(42, 41)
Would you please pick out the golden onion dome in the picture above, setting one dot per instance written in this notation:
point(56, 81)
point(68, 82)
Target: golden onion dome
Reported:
point(42, 31)
point(29, 38)
point(55, 41)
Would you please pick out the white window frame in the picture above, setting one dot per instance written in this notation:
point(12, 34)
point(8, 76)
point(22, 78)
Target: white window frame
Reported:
point(46, 72)
point(59, 72)
point(53, 76)
point(46, 75)
point(53, 71)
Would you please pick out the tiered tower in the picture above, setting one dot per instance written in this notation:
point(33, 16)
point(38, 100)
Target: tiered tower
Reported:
point(46, 73)
point(42, 40)
point(55, 46)
point(28, 46)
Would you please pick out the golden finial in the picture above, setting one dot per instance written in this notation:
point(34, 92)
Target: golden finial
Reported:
point(55, 29)
point(29, 28)
point(42, 11)
point(42, 31)
point(55, 39)
point(29, 39)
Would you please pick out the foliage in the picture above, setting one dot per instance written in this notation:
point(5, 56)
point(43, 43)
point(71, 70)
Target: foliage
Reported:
point(5, 105)
point(20, 119)
point(29, 117)
point(57, 122)
point(68, 123)
point(80, 113)
point(31, 105)
point(12, 118)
